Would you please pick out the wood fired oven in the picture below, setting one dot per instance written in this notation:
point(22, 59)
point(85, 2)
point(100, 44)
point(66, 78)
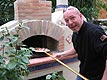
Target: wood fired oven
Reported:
point(41, 34)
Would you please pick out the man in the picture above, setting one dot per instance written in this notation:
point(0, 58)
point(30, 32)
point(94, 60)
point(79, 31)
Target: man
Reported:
point(89, 42)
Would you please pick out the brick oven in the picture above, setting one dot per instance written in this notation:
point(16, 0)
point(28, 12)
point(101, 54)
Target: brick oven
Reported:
point(37, 14)
point(42, 34)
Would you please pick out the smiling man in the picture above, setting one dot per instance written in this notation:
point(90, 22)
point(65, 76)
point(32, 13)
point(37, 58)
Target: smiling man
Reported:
point(89, 42)
point(73, 19)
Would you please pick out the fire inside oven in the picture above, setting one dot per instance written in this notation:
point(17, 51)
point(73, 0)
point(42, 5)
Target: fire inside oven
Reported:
point(41, 41)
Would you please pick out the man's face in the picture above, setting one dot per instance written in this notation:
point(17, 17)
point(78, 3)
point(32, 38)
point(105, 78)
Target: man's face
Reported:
point(73, 20)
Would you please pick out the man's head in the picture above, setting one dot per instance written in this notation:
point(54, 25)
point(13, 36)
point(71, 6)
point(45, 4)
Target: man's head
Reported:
point(73, 18)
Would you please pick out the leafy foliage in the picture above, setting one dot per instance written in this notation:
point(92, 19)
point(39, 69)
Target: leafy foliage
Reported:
point(54, 76)
point(90, 8)
point(13, 60)
point(6, 11)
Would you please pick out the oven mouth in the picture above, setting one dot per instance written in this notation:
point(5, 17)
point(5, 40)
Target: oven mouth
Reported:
point(41, 41)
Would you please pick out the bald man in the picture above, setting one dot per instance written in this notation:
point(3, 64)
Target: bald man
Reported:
point(89, 42)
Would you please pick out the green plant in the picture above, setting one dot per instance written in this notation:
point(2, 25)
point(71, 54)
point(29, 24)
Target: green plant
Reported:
point(90, 8)
point(6, 11)
point(13, 60)
point(54, 76)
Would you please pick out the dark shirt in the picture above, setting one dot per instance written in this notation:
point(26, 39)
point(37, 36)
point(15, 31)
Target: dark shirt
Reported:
point(91, 45)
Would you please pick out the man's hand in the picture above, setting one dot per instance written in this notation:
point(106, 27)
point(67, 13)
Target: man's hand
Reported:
point(58, 55)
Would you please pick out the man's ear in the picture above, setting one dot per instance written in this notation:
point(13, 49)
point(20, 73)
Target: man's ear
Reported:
point(81, 15)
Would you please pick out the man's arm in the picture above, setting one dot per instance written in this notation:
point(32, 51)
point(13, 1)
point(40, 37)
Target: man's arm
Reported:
point(65, 53)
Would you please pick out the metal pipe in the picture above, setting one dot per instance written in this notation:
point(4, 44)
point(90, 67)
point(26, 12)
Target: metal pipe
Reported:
point(67, 66)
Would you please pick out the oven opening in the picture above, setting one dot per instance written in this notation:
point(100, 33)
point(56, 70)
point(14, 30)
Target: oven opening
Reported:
point(41, 41)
